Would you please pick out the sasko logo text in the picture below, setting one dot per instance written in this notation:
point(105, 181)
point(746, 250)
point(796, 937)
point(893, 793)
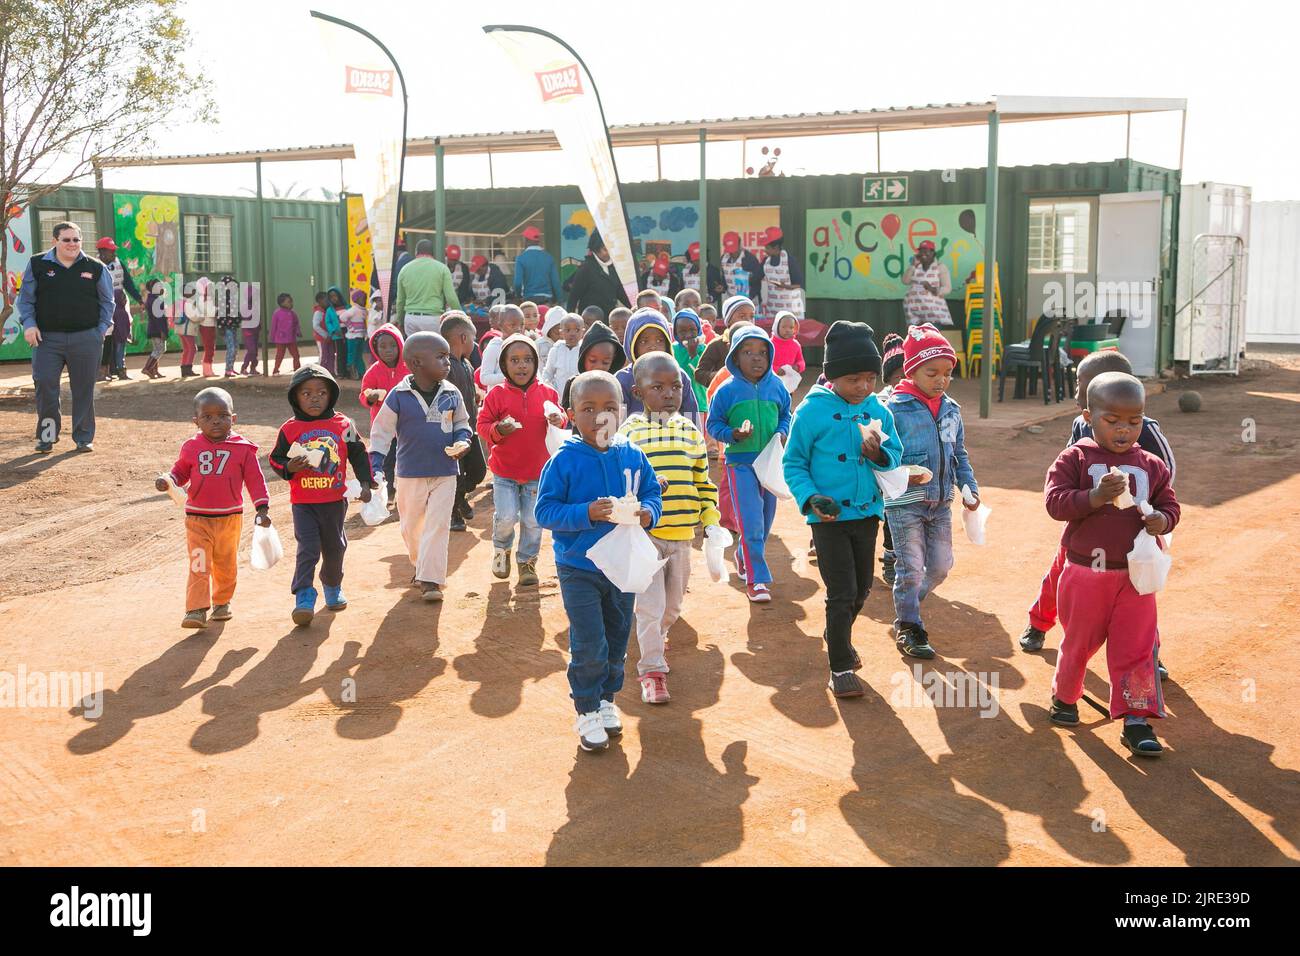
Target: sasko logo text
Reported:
point(565, 81)
point(359, 80)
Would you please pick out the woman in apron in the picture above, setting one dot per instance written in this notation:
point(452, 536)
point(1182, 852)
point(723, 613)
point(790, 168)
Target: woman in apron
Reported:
point(782, 278)
point(740, 268)
point(927, 283)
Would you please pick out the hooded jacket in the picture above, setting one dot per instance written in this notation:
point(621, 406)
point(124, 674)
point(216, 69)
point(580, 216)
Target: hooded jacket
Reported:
point(641, 320)
point(379, 375)
point(577, 476)
point(599, 332)
point(332, 432)
point(690, 362)
point(824, 454)
point(423, 430)
point(765, 404)
point(520, 455)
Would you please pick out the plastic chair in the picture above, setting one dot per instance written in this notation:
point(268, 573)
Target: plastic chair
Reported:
point(1031, 359)
point(975, 341)
point(955, 339)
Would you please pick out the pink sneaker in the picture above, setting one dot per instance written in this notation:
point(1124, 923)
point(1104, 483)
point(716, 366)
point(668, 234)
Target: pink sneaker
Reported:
point(758, 593)
point(654, 688)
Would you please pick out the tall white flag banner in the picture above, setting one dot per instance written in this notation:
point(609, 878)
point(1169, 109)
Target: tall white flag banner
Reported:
point(571, 106)
point(371, 94)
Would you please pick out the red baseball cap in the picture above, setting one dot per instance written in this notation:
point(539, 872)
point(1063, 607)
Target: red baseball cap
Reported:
point(106, 243)
point(693, 252)
point(453, 253)
point(533, 233)
point(660, 267)
point(478, 262)
point(774, 234)
point(731, 241)
point(925, 244)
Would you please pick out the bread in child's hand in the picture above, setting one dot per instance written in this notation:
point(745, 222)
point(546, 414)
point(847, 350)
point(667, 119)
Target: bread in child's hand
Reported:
point(456, 448)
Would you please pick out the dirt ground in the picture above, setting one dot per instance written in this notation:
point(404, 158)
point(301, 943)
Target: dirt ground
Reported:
point(243, 744)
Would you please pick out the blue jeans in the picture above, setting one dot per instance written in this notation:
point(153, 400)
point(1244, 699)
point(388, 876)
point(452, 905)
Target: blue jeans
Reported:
point(922, 533)
point(232, 347)
point(119, 354)
point(516, 503)
point(600, 621)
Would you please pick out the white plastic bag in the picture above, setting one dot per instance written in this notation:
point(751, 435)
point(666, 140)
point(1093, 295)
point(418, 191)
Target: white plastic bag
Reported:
point(174, 491)
point(892, 482)
point(974, 521)
point(351, 489)
point(375, 511)
point(555, 437)
point(1148, 564)
point(790, 378)
point(1125, 498)
point(768, 468)
point(717, 539)
point(627, 557)
point(267, 549)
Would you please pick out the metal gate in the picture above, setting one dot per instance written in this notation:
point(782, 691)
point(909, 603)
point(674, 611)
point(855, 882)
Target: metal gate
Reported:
point(1217, 313)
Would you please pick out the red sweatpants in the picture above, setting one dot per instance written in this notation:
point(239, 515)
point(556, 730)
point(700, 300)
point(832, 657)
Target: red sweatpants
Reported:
point(1101, 607)
point(1043, 614)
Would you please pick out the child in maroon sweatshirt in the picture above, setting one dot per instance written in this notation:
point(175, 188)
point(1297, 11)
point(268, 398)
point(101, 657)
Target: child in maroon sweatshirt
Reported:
point(1095, 599)
point(214, 467)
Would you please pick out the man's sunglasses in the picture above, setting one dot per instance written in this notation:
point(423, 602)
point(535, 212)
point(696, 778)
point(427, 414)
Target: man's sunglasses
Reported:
point(78, 239)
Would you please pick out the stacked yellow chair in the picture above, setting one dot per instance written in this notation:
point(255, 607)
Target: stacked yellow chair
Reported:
point(975, 320)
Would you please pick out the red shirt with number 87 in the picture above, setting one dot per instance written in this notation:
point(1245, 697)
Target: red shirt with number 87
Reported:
point(217, 473)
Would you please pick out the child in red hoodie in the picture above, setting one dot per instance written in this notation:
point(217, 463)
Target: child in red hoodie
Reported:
point(513, 423)
point(386, 344)
point(1095, 599)
point(216, 465)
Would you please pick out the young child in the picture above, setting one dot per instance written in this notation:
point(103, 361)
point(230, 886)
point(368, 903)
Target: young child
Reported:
point(591, 315)
point(618, 319)
point(317, 491)
point(920, 520)
point(512, 423)
point(1099, 605)
point(251, 337)
point(891, 372)
point(511, 323)
point(229, 319)
point(458, 329)
point(336, 328)
point(532, 318)
point(745, 414)
point(601, 351)
point(375, 315)
point(647, 299)
point(737, 310)
point(550, 334)
point(426, 416)
point(786, 348)
point(155, 311)
point(214, 467)
point(285, 332)
point(575, 501)
point(562, 361)
point(708, 314)
point(1043, 613)
point(648, 331)
point(828, 465)
point(675, 449)
point(388, 369)
point(354, 324)
point(688, 330)
point(324, 343)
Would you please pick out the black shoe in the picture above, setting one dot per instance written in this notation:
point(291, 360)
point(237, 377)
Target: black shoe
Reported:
point(914, 642)
point(846, 685)
point(1162, 670)
point(1067, 715)
point(44, 447)
point(1141, 740)
point(85, 446)
point(887, 562)
point(466, 511)
point(121, 373)
point(857, 661)
point(1032, 639)
point(457, 523)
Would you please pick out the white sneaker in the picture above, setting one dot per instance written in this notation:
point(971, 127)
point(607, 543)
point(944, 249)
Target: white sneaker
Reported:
point(591, 731)
point(610, 719)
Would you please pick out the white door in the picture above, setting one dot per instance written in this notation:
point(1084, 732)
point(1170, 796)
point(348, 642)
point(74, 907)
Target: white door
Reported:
point(1128, 271)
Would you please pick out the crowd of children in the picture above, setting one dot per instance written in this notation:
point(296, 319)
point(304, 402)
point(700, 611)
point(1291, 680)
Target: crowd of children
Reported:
point(585, 426)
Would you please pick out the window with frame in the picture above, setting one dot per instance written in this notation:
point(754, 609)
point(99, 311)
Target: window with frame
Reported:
point(1059, 236)
point(208, 243)
point(83, 219)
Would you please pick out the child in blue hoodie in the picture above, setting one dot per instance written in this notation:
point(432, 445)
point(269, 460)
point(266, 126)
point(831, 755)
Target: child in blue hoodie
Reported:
point(829, 467)
point(575, 499)
point(648, 331)
point(745, 414)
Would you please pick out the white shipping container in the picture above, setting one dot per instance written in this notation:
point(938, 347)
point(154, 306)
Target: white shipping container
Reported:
point(1273, 309)
point(1209, 307)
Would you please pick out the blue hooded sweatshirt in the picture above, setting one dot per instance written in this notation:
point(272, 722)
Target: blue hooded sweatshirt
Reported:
point(641, 320)
point(765, 404)
point(577, 476)
point(824, 454)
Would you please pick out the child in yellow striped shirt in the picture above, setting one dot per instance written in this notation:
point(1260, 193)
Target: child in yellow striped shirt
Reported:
point(677, 453)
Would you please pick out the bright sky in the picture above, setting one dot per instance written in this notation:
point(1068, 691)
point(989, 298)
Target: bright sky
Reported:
point(680, 61)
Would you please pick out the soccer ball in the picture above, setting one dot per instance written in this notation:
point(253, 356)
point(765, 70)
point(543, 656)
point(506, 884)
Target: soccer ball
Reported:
point(1189, 402)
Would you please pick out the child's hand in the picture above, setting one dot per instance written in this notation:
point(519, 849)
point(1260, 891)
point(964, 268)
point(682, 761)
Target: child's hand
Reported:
point(645, 517)
point(824, 507)
point(663, 484)
point(296, 464)
point(1109, 488)
point(455, 453)
point(871, 448)
point(557, 420)
point(1156, 522)
point(374, 484)
point(506, 426)
point(971, 505)
point(743, 432)
point(263, 519)
point(600, 509)
point(365, 494)
point(917, 479)
point(161, 484)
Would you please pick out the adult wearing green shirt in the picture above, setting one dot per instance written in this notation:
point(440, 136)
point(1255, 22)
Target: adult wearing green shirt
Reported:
point(424, 291)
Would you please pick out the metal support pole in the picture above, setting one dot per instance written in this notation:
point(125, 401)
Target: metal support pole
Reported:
point(877, 149)
point(742, 157)
point(704, 222)
point(1128, 134)
point(492, 180)
point(440, 204)
point(1182, 138)
point(989, 321)
point(99, 206)
point(263, 285)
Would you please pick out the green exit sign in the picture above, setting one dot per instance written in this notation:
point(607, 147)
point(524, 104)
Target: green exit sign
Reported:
point(884, 189)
